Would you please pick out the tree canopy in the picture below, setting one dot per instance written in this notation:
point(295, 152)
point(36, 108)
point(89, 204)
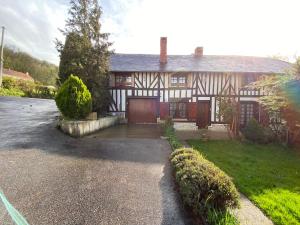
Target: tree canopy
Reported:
point(41, 71)
point(86, 51)
point(282, 97)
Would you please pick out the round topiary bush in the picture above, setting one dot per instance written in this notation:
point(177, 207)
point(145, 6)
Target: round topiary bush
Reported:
point(73, 99)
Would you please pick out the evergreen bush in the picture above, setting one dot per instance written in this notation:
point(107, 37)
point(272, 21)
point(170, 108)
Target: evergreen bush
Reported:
point(73, 99)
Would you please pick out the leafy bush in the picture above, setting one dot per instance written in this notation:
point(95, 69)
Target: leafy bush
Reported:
point(74, 99)
point(41, 91)
point(8, 82)
point(11, 92)
point(23, 88)
point(202, 185)
point(255, 132)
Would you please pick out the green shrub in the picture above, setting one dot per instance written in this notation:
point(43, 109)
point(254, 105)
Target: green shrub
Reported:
point(8, 82)
point(74, 99)
point(41, 91)
point(168, 122)
point(202, 185)
point(11, 92)
point(173, 140)
point(257, 133)
point(217, 217)
point(19, 87)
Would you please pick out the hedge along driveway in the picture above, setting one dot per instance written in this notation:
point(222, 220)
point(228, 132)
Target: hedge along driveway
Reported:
point(268, 175)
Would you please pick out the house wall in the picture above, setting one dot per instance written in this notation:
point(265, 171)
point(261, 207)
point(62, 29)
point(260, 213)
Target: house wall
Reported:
point(200, 86)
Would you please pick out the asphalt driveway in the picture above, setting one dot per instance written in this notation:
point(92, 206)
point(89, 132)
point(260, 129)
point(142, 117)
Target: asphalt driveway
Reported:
point(119, 176)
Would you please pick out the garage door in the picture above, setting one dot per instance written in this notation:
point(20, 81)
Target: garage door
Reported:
point(142, 110)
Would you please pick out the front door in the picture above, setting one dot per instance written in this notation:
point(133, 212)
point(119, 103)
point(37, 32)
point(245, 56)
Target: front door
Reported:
point(203, 114)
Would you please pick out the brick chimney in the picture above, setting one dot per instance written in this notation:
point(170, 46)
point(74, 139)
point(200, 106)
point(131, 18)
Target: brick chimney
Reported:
point(163, 50)
point(199, 51)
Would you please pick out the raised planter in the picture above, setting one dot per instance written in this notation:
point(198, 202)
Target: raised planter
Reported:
point(79, 128)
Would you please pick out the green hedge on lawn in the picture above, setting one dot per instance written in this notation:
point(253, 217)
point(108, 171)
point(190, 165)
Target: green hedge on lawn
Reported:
point(202, 185)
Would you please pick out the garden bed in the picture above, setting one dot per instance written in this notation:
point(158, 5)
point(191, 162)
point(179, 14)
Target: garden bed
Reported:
point(79, 128)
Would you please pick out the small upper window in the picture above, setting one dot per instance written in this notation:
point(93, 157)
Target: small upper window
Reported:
point(123, 80)
point(178, 80)
point(248, 79)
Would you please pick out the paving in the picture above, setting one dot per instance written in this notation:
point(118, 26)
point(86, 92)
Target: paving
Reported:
point(214, 132)
point(250, 214)
point(118, 176)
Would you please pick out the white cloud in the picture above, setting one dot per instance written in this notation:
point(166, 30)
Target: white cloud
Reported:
point(32, 27)
point(223, 27)
point(239, 27)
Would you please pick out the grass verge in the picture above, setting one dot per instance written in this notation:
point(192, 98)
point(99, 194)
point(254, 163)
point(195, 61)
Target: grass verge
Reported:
point(269, 175)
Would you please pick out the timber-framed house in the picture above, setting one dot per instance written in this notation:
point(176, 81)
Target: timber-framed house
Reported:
point(148, 88)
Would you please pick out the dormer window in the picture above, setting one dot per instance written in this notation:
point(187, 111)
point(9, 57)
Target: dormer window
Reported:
point(123, 80)
point(178, 80)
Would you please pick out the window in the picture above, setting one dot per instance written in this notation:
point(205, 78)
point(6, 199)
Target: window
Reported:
point(249, 78)
point(178, 109)
point(178, 80)
point(123, 80)
point(247, 113)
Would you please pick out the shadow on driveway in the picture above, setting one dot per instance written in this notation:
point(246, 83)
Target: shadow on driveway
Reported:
point(52, 178)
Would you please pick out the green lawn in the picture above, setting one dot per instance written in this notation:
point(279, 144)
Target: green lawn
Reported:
point(268, 174)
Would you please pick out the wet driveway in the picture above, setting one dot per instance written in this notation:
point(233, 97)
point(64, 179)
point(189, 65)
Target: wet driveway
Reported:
point(118, 176)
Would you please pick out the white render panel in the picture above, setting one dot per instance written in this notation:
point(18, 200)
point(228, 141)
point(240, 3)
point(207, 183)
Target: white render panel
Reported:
point(213, 100)
point(248, 99)
point(123, 93)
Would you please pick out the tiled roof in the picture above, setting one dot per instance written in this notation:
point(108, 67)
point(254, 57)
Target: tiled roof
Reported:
point(16, 74)
point(205, 63)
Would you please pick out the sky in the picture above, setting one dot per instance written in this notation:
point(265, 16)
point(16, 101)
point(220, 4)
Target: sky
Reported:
point(231, 27)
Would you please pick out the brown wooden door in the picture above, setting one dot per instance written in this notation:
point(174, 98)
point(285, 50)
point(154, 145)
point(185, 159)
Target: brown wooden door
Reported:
point(142, 110)
point(203, 114)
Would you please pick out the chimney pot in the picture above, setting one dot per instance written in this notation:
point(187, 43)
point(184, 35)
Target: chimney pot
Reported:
point(163, 50)
point(199, 51)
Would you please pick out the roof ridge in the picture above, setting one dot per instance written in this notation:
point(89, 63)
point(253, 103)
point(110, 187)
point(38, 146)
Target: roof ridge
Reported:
point(219, 56)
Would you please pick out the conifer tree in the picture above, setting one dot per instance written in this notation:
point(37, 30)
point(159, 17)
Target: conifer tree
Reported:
point(85, 52)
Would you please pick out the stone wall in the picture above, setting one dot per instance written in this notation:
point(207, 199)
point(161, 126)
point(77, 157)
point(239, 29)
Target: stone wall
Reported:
point(80, 128)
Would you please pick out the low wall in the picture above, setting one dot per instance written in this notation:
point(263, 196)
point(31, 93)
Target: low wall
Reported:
point(78, 128)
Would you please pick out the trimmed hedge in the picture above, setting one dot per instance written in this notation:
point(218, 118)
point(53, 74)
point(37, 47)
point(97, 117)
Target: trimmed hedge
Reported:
point(202, 185)
point(74, 99)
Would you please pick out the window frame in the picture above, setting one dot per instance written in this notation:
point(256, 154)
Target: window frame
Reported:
point(121, 80)
point(247, 112)
point(177, 78)
point(178, 109)
point(249, 78)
